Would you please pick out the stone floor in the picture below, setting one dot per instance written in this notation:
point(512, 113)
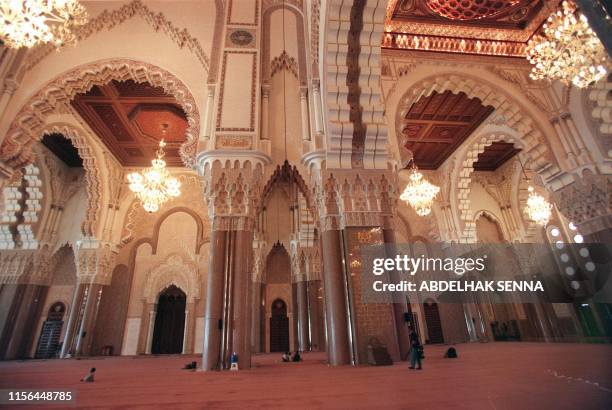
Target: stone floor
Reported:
point(485, 376)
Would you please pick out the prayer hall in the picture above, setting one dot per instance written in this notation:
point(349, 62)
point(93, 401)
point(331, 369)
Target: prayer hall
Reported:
point(199, 198)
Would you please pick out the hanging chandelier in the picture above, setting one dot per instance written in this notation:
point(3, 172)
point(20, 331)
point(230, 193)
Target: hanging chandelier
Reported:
point(419, 193)
point(569, 50)
point(538, 209)
point(154, 186)
point(27, 23)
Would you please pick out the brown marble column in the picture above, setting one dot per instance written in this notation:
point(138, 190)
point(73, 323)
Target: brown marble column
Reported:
point(400, 305)
point(10, 301)
point(188, 340)
point(317, 342)
point(19, 329)
point(338, 349)
point(26, 322)
point(213, 310)
point(302, 316)
point(241, 296)
point(256, 317)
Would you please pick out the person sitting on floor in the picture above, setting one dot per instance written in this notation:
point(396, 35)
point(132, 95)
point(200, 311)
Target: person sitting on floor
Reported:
point(90, 376)
point(286, 357)
point(296, 357)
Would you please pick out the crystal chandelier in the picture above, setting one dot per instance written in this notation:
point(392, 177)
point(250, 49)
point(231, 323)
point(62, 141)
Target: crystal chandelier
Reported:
point(419, 193)
point(27, 23)
point(568, 51)
point(154, 185)
point(538, 209)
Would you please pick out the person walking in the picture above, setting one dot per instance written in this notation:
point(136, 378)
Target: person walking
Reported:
point(415, 350)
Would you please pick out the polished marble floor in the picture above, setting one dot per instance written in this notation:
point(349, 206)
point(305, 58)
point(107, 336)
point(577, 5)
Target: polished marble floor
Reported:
point(485, 376)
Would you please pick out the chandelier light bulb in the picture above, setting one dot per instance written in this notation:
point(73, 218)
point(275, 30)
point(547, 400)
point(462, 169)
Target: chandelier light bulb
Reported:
point(419, 193)
point(154, 186)
point(568, 50)
point(33, 22)
point(538, 209)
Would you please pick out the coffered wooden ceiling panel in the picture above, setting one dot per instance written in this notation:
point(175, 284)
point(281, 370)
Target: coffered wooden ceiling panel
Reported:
point(435, 126)
point(495, 155)
point(131, 118)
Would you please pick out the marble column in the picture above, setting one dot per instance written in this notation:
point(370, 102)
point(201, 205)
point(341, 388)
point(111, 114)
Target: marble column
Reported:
point(265, 111)
point(150, 326)
point(317, 341)
point(304, 113)
point(73, 321)
point(241, 296)
point(88, 321)
point(213, 321)
point(256, 317)
point(338, 348)
point(318, 113)
point(25, 332)
point(302, 316)
point(19, 330)
point(400, 305)
point(210, 108)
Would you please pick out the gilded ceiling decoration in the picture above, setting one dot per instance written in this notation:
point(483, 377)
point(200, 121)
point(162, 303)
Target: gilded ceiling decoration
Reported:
point(489, 27)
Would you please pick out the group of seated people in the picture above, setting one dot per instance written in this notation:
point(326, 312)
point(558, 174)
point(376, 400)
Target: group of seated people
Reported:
point(288, 358)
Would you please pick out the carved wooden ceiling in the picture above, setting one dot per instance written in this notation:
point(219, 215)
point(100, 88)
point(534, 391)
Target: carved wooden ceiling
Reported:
point(63, 149)
point(492, 27)
point(495, 155)
point(436, 125)
point(131, 118)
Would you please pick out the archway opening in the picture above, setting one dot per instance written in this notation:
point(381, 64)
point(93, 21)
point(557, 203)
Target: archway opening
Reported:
point(434, 324)
point(169, 322)
point(48, 343)
point(279, 327)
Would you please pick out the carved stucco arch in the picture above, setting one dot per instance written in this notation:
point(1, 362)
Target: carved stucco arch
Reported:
point(173, 271)
point(461, 180)
point(507, 110)
point(25, 129)
point(93, 176)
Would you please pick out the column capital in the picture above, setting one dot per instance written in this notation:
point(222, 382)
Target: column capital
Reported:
point(95, 261)
point(303, 92)
point(232, 189)
point(356, 198)
point(265, 90)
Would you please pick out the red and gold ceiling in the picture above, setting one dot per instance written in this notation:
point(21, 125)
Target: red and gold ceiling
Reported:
point(485, 27)
point(131, 118)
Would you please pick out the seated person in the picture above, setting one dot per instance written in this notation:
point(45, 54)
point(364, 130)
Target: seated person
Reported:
point(296, 357)
point(286, 357)
point(90, 376)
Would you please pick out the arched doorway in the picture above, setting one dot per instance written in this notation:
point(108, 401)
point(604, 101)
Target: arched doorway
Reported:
point(169, 322)
point(434, 324)
point(48, 343)
point(279, 327)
